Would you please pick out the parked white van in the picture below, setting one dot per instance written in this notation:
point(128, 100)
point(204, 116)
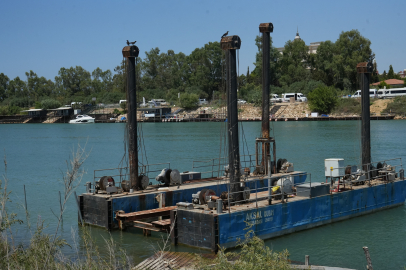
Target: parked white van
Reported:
point(275, 98)
point(372, 94)
point(392, 92)
point(298, 97)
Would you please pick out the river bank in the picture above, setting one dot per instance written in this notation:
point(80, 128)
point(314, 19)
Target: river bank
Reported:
point(298, 111)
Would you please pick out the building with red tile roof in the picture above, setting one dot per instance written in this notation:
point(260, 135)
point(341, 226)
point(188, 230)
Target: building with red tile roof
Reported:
point(392, 82)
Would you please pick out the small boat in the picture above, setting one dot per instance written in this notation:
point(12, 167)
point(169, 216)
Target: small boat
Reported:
point(82, 119)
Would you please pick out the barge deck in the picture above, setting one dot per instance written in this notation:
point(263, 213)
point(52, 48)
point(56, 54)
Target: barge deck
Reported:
point(204, 228)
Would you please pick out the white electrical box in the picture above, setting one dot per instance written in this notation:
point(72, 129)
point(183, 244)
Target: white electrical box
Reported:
point(334, 167)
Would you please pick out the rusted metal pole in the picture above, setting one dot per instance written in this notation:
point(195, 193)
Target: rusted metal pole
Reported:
point(130, 53)
point(265, 79)
point(230, 44)
point(364, 69)
point(265, 29)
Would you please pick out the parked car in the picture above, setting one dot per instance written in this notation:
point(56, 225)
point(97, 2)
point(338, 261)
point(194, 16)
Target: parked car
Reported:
point(241, 101)
point(203, 101)
point(275, 98)
point(298, 97)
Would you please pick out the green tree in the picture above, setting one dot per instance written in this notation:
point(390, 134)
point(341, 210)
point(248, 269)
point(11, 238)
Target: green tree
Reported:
point(274, 67)
point(10, 110)
point(204, 66)
point(383, 85)
point(391, 73)
point(119, 80)
point(352, 48)
point(188, 100)
point(50, 104)
point(294, 62)
point(384, 76)
point(322, 99)
point(150, 68)
point(73, 81)
point(17, 88)
point(375, 75)
point(102, 81)
point(4, 81)
point(38, 86)
point(252, 93)
point(323, 64)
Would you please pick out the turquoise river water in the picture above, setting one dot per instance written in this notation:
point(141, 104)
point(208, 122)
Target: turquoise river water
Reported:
point(37, 154)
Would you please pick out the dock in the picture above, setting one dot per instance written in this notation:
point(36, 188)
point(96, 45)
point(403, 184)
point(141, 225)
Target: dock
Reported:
point(165, 260)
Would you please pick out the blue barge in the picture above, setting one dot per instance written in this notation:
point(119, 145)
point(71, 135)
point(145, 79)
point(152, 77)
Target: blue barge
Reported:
point(204, 228)
point(100, 209)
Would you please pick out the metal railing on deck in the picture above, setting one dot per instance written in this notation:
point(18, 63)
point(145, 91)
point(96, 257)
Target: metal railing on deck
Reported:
point(372, 172)
point(215, 166)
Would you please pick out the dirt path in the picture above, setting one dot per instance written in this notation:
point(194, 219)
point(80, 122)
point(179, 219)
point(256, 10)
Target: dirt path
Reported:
point(379, 105)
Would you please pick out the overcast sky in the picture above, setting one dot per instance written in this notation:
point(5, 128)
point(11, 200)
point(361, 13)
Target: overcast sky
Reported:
point(44, 36)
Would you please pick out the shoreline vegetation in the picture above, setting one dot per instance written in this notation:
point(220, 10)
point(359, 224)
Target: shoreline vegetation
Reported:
point(183, 79)
point(44, 251)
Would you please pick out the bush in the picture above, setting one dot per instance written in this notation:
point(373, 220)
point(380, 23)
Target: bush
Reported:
point(10, 110)
point(251, 93)
point(197, 91)
point(383, 84)
point(172, 96)
point(398, 106)
point(123, 105)
point(21, 102)
point(276, 90)
point(323, 99)
point(3, 110)
point(50, 104)
point(311, 85)
point(111, 97)
point(253, 255)
point(189, 101)
point(348, 106)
